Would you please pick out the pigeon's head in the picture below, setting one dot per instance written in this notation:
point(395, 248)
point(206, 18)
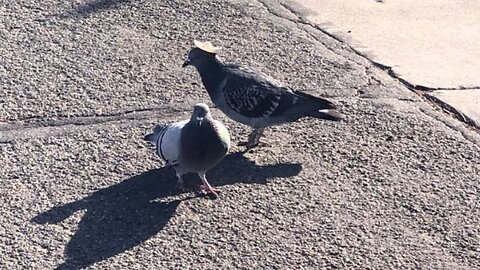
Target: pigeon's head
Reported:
point(201, 111)
point(203, 52)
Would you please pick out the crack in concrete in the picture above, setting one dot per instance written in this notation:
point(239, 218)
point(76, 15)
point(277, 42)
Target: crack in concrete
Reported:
point(38, 132)
point(451, 110)
point(456, 88)
point(60, 120)
point(412, 86)
point(15, 132)
point(49, 127)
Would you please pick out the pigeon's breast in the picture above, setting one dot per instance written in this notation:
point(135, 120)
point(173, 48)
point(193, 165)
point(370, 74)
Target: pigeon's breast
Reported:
point(201, 148)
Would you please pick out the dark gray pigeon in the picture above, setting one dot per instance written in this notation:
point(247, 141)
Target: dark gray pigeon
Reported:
point(192, 146)
point(253, 98)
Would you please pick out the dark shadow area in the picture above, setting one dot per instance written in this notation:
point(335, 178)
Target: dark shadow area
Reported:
point(235, 168)
point(100, 5)
point(124, 215)
point(116, 218)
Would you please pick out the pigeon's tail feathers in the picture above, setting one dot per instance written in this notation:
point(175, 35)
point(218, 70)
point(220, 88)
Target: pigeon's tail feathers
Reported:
point(319, 103)
point(328, 114)
point(150, 137)
point(318, 107)
point(153, 137)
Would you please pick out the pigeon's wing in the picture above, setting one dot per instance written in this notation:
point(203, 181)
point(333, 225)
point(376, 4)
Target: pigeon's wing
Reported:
point(254, 95)
point(168, 142)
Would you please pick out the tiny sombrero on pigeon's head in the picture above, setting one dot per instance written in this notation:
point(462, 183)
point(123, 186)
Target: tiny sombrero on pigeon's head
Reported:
point(200, 53)
point(206, 46)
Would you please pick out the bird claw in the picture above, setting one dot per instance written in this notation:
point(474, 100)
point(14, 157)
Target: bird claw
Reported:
point(212, 192)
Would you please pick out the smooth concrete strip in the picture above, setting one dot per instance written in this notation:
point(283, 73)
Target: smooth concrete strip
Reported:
point(432, 43)
point(466, 102)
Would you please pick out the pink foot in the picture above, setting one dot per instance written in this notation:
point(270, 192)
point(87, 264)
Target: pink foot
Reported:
point(213, 191)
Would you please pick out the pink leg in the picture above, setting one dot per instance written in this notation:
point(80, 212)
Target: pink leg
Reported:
point(207, 186)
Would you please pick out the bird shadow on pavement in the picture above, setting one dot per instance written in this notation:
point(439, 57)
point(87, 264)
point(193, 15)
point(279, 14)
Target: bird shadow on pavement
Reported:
point(126, 214)
point(100, 5)
point(236, 168)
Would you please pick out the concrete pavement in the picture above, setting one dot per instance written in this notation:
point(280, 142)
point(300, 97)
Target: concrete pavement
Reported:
point(429, 45)
point(395, 185)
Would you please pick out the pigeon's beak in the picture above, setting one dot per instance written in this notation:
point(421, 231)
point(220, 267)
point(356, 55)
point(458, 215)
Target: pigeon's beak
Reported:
point(186, 63)
point(200, 120)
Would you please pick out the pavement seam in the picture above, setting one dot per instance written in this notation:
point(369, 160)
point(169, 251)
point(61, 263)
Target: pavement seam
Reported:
point(62, 120)
point(451, 110)
point(35, 132)
point(46, 128)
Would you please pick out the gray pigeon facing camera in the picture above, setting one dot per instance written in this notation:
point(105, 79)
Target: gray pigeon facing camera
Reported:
point(192, 146)
point(252, 98)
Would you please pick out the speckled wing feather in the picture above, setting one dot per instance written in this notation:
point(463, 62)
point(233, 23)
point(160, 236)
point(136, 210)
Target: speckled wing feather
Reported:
point(253, 94)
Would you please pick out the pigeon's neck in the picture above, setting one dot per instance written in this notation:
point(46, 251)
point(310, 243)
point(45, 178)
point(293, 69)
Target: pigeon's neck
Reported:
point(211, 74)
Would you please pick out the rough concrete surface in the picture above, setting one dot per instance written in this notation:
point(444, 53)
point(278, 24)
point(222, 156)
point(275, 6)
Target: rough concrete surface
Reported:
point(395, 185)
point(432, 43)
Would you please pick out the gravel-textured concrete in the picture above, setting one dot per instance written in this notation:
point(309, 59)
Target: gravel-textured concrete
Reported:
point(395, 185)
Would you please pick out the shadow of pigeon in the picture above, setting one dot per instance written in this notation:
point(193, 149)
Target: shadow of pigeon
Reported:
point(116, 218)
point(124, 215)
point(100, 5)
point(236, 168)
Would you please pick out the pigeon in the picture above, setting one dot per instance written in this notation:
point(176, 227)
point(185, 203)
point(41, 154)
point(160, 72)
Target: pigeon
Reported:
point(192, 146)
point(253, 98)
